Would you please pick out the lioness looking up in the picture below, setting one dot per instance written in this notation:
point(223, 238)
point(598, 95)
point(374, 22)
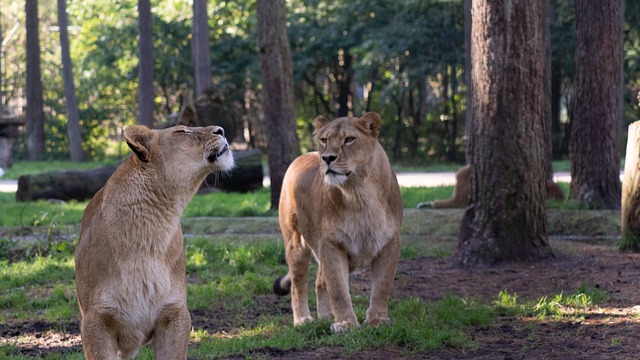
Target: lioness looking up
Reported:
point(343, 204)
point(130, 264)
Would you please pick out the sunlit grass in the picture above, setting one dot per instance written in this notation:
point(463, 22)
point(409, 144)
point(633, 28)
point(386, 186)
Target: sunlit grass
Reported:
point(416, 326)
point(556, 307)
point(20, 168)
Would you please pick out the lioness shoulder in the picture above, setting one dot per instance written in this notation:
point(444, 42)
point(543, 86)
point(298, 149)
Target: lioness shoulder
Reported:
point(343, 205)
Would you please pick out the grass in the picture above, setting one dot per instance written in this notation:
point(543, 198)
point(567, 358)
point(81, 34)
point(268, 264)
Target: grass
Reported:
point(231, 281)
point(227, 280)
point(557, 307)
point(34, 167)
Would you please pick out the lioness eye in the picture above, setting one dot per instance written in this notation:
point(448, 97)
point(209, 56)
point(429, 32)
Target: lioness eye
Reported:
point(349, 139)
point(184, 131)
point(323, 141)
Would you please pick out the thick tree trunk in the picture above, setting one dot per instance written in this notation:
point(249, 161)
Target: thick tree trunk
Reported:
point(277, 92)
point(35, 113)
point(200, 43)
point(83, 184)
point(73, 116)
point(506, 218)
point(595, 163)
point(145, 65)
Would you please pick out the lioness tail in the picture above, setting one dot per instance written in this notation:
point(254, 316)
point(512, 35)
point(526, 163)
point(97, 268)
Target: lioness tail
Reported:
point(282, 285)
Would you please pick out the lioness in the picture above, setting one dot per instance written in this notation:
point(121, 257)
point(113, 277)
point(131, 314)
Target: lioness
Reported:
point(343, 204)
point(460, 196)
point(130, 264)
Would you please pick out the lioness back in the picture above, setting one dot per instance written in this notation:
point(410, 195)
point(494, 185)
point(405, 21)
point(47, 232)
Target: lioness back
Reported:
point(343, 205)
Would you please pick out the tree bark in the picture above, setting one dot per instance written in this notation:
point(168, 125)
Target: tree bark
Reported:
point(200, 43)
point(506, 218)
point(73, 116)
point(595, 163)
point(83, 184)
point(467, 74)
point(277, 91)
point(35, 113)
point(145, 65)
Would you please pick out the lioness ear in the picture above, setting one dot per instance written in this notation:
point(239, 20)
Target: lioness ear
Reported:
point(371, 122)
point(188, 116)
point(320, 122)
point(139, 140)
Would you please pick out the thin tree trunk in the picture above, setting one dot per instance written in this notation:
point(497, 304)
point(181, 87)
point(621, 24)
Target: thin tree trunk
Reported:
point(277, 91)
point(506, 218)
point(344, 84)
point(73, 116)
point(35, 113)
point(595, 162)
point(145, 66)
point(200, 43)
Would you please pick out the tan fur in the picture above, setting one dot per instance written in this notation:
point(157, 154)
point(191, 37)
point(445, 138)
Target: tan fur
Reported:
point(460, 197)
point(130, 265)
point(348, 213)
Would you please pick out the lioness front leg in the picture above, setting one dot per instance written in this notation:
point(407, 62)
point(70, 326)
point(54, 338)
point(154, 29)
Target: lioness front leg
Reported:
point(171, 337)
point(383, 269)
point(336, 276)
point(322, 296)
point(98, 341)
point(298, 258)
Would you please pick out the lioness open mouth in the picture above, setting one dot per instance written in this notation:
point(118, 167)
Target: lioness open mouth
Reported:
point(215, 154)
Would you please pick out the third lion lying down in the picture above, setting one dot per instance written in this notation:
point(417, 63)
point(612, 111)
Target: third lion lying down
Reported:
point(460, 196)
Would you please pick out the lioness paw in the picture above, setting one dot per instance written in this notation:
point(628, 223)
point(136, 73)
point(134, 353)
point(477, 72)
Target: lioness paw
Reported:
point(343, 326)
point(377, 321)
point(302, 320)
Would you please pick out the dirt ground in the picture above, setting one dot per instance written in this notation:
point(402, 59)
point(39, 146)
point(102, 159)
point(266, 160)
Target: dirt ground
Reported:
point(610, 331)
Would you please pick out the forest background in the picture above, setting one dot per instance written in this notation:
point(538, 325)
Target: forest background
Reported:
point(403, 59)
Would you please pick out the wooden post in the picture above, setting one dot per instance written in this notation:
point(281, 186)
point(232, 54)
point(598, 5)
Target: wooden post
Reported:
point(630, 222)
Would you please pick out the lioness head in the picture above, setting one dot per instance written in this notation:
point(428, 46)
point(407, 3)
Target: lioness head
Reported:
point(345, 146)
point(183, 155)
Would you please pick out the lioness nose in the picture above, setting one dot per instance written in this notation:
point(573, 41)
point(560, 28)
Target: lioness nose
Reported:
point(217, 130)
point(328, 158)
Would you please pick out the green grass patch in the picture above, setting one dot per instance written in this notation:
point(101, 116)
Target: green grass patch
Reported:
point(38, 213)
point(556, 307)
point(222, 204)
point(36, 167)
point(416, 326)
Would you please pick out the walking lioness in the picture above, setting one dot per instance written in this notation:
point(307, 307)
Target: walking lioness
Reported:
point(343, 204)
point(130, 264)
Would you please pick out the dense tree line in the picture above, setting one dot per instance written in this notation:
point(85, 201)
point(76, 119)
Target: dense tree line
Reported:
point(403, 59)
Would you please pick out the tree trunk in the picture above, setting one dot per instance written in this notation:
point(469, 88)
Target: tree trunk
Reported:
point(546, 94)
point(595, 162)
point(200, 43)
point(35, 113)
point(344, 84)
point(506, 218)
point(277, 91)
point(83, 184)
point(73, 116)
point(145, 65)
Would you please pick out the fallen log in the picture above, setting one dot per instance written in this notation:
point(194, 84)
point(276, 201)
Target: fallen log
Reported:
point(83, 184)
